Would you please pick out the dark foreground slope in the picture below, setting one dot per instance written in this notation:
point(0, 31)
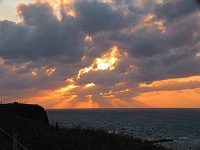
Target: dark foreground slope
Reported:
point(23, 111)
point(35, 133)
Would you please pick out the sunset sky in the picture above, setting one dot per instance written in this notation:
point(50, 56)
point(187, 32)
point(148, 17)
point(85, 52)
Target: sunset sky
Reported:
point(100, 53)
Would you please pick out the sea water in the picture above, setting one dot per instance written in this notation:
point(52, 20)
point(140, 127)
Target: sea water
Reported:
point(181, 125)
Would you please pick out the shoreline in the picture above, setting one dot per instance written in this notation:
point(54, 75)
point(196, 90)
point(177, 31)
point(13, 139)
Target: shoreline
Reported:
point(36, 134)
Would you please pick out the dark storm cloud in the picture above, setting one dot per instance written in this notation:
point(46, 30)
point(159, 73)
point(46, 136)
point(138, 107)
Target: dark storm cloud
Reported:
point(145, 43)
point(197, 1)
point(158, 55)
point(100, 44)
point(105, 77)
point(150, 41)
point(150, 50)
point(172, 10)
point(166, 67)
point(93, 17)
point(18, 80)
point(40, 35)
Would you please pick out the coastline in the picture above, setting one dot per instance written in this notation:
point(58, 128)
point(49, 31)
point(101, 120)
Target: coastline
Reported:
point(36, 134)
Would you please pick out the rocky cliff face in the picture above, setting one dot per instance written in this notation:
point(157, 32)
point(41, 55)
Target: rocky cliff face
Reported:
point(26, 111)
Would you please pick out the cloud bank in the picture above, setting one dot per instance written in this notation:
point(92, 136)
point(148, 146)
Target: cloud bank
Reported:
point(98, 52)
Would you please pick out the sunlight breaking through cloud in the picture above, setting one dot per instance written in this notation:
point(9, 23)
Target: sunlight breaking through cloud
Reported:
point(66, 89)
point(100, 53)
point(108, 61)
point(89, 85)
point(198, 55)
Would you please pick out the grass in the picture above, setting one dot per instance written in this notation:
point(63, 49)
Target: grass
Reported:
point(35, 135)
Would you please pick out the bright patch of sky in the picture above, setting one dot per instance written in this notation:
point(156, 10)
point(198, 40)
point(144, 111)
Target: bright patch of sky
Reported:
point(8, 9)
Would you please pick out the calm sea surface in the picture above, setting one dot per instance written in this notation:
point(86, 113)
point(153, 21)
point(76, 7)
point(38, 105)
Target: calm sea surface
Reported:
point(181, 125)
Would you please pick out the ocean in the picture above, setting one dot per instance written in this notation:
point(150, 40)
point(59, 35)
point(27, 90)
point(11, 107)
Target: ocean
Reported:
point(181, 125)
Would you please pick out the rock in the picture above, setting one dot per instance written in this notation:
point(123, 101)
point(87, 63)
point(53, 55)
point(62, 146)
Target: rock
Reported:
point(27, 111)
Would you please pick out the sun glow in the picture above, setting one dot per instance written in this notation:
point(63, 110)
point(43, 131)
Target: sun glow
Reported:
point(61, 5)
point(171, 99)
point(50, 71)
point(149, 22)
point(88, 104)
point(198, 55)
point(90, 85)
point(88, 38)
point(33, 73)
point(56, 2)
point(71, 13)
point(1, 61)
point(84, 70)
point(66, 5)
point(108, 61)
point(67, 88)
point(148, 18)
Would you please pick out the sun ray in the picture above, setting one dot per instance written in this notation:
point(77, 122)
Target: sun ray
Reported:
point(67, 88)
point(108, 61)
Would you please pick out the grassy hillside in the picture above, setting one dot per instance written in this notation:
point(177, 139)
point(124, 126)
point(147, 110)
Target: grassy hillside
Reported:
point(39, 135)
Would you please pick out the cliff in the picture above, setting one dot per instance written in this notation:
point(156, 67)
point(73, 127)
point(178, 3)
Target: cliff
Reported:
point(23, 111)
point(35, 133)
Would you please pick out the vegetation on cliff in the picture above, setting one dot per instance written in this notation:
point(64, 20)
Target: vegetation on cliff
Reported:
point(36, 134)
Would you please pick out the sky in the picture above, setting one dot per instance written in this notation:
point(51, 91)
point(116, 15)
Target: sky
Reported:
point(100, 53)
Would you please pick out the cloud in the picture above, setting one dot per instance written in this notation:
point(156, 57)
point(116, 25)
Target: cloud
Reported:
point(113, 46)
point(94, 17)
point(41, 35)
point(173, 86)
point(197, 1)
point(154, 38)
point(173, 10)
point(107, 78)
